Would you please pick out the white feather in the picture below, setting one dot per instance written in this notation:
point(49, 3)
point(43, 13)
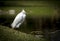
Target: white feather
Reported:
point(19, 19)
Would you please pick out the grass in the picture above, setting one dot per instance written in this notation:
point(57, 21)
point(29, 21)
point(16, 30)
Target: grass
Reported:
point(33, 8)
point(33, 11)
point(9, 34)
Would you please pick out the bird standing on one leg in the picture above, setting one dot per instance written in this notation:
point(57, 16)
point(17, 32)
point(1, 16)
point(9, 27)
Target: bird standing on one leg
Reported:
point(19, 19)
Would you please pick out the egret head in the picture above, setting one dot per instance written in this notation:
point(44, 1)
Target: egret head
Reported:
point(23, 11)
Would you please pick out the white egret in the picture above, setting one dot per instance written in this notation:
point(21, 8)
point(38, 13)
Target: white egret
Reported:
point(19, 19)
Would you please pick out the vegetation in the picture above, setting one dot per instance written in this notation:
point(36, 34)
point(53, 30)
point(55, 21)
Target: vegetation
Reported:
point(9, 34)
